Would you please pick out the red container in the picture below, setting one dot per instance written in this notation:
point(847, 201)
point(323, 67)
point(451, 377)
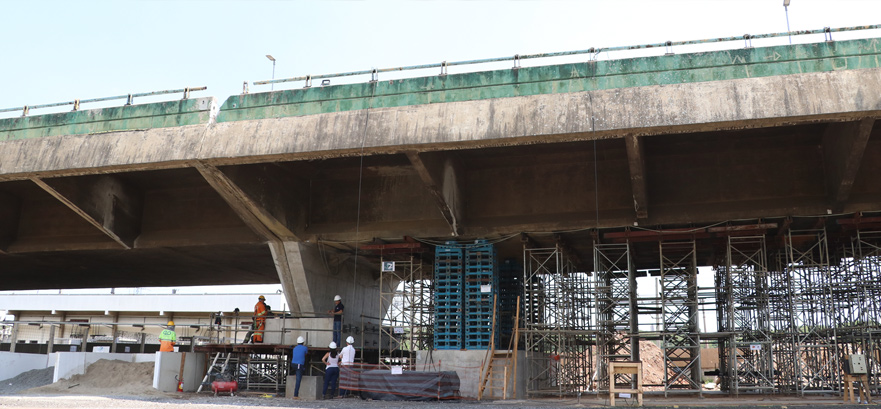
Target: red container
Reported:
point(224, 386)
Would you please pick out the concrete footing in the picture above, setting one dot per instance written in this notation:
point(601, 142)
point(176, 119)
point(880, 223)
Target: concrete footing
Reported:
point(310, 387)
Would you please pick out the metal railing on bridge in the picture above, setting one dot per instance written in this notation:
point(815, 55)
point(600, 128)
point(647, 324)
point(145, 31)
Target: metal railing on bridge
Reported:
point(594, 52)
point(129, 100)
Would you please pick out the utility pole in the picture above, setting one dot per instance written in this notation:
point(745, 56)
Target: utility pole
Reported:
point(271, 58)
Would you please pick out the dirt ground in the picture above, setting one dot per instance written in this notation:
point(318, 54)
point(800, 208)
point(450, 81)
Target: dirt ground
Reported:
point(117, 384)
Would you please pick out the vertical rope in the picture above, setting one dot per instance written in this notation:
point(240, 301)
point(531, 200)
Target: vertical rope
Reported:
point(360, 181)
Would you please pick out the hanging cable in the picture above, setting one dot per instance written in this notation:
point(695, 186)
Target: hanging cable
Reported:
point(360, 179)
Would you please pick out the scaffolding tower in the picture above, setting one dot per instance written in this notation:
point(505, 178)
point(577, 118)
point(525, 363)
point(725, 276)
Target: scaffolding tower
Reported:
point(406, 305)
point(679, 303)
point(615, 301)
point(745, 356)
point(556, 323)
point(813, 330)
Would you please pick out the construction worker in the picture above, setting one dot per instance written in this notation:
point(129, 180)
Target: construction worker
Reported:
point(259, 319)
point(337, 312)
point(298, 363)
point(331, 372)
point(167, 338)
point(348, 381)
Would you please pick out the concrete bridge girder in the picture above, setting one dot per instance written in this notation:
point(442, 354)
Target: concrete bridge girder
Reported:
point(653, 155)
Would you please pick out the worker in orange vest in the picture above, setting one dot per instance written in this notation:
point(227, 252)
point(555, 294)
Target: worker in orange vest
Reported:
point(167, 338)
point(259, 319)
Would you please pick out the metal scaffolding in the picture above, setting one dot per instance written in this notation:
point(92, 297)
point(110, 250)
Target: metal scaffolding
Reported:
point(615, 301)
point(679, 303)
point(406, 308)
point(742, 293)
point(556, 323)
point(813, 307)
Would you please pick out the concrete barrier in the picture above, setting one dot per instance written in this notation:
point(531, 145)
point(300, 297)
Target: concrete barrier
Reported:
point(68, 364)
point(13, 364)
point(310, 387)
point(167, 371)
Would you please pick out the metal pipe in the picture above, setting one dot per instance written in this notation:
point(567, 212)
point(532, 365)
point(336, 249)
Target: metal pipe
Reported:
point(127, 96)
point(567, 53)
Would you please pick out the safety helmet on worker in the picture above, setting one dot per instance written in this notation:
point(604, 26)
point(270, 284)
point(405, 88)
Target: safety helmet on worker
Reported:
point(261, 298)
point(337, 298)
point(350, 340)
point(300, 340)
point(170, 323)
point(332, 345)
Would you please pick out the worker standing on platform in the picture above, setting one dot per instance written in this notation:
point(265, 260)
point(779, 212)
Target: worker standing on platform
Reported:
point(259, 319)
point(167, 338)
point(298, 363)
point(337, 312)
point(332, 372)
point(347, 369)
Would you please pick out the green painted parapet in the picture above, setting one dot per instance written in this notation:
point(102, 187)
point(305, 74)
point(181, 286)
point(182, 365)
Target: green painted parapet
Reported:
point(553, 79)
point(192, 111)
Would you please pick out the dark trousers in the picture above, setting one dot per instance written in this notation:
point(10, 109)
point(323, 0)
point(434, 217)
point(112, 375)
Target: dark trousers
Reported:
point(337, 329)
point(299, 368)
point(330, 379)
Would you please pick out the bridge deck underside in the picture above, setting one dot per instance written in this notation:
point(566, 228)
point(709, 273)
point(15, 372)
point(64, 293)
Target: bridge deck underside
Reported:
point(172, 227)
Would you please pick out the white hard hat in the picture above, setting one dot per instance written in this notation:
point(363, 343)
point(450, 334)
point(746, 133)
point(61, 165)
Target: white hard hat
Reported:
point(350, 340)
point(332, 345)
point(300, 340)
point(337, 298)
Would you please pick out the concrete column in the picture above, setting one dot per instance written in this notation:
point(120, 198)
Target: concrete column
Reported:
point(50, 343)
point(143, 337)
point(312, 274)
point(14, 338)
point(86, 338)
point(115, 332)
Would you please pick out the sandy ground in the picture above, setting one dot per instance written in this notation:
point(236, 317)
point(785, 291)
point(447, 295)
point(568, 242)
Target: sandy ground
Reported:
point(116, 384)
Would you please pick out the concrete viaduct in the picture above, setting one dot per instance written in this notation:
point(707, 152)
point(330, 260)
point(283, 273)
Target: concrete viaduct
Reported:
point(283, 186)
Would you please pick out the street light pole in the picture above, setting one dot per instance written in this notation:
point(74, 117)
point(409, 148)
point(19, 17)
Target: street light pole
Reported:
point(271, 58)
point(786, 10)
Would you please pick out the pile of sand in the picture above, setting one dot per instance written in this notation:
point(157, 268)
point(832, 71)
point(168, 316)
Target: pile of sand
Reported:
point(106, 377)
point(27, 380)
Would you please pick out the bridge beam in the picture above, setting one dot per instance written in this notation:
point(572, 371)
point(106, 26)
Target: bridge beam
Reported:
point(843, 146)
point(268, 200)
point(105, 201)
point(636, 162)
point(442, 176)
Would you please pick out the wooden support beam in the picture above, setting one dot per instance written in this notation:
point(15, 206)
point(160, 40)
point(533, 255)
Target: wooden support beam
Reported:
point(636, 163)
point(843, 147)
point(267, 199)
point(443, 176)
point(105, 201)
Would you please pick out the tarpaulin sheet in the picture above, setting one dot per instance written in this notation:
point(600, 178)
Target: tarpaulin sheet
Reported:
point(410, 385)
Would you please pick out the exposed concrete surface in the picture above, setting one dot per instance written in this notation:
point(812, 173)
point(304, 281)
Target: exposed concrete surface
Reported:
point(310, 387)
point(68, 364)
point(648, 110)
point(167, 371)
point(469, 366)
point(13, 364)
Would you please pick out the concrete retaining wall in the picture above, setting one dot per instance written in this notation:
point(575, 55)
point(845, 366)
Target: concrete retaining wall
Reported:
point(13, 364)
point(468, 366)
point(68, 364)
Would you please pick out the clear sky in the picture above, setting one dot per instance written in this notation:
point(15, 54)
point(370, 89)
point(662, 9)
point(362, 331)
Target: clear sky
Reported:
point(56, 51)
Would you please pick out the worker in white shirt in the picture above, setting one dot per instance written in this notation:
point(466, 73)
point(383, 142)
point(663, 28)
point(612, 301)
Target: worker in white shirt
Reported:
point(348, 380)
